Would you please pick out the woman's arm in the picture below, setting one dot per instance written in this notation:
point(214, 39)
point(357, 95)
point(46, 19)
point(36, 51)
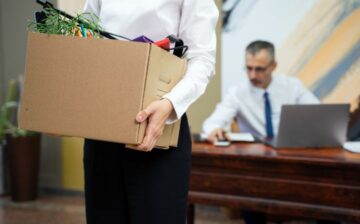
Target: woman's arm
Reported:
point(197, 30)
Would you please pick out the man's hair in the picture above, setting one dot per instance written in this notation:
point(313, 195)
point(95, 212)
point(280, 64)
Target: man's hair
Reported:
point(258, 45)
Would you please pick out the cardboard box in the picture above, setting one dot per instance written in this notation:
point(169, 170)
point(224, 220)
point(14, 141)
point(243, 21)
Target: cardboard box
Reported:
point(93, 88)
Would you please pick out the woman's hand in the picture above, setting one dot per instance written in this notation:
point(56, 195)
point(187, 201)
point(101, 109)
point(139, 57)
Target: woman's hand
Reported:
point(156, 113)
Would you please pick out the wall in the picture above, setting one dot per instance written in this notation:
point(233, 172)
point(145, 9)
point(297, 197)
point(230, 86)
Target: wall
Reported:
point(2, 75)
point(249, 20)
point(202, 108)
point(2, 79)
point(317, 41)
point(13, 35)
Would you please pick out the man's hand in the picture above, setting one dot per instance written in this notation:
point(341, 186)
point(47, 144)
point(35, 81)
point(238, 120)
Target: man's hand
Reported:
point(156, 114)
point(217, 134)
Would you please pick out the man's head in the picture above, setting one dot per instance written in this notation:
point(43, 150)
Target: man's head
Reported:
point(260, 63)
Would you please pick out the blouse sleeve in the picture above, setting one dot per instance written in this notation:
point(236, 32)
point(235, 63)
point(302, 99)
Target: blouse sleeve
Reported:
point(197, 29)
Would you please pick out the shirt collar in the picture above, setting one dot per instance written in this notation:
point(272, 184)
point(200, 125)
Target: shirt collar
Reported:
point(270, 89)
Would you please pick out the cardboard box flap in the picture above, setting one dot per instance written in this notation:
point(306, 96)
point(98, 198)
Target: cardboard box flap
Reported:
point(164, 72)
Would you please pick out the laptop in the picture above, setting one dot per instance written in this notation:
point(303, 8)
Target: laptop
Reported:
point(315, 125)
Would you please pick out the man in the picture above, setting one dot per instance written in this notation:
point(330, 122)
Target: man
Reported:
point(256, 103)
point(258, 99)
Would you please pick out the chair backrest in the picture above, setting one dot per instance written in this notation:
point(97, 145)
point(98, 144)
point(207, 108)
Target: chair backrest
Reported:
point(354, 124)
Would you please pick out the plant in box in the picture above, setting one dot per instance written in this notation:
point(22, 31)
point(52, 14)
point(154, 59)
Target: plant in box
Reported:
point(52, 22)
point(22, 149)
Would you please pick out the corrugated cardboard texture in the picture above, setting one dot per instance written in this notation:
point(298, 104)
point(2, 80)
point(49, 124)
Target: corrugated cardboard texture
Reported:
point(91, 88)
point(164, 71)
point(83, 87)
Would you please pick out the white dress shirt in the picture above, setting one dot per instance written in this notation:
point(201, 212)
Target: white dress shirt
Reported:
point(245, 102)
point(193, 21)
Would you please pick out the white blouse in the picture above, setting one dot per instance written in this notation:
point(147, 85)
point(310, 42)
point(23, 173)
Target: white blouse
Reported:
point(193, 21)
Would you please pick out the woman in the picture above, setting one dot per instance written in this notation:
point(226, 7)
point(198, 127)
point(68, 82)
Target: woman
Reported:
point(129, 186)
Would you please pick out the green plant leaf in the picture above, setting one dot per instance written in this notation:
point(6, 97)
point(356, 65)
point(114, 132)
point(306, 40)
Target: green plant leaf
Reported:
point(55, 23)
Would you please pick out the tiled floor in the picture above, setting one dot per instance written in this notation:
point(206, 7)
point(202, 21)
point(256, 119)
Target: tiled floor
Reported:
point(45, 210)
point(52, 209)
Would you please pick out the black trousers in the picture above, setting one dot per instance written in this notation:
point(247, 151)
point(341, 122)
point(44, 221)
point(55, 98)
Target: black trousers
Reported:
point(125, 186)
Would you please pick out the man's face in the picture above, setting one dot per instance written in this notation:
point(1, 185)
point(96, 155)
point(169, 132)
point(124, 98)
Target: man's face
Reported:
point(259, 68)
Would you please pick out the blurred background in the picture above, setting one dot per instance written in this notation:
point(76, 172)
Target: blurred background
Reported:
point(316, 40)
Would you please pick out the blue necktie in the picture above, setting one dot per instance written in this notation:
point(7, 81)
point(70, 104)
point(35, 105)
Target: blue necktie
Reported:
point(269, 126)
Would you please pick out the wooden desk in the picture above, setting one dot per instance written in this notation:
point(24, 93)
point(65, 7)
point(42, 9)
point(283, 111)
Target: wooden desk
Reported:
point(310, 183)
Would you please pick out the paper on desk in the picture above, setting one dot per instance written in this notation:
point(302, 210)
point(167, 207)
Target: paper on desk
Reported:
point(352, 146)
point(241, 137)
